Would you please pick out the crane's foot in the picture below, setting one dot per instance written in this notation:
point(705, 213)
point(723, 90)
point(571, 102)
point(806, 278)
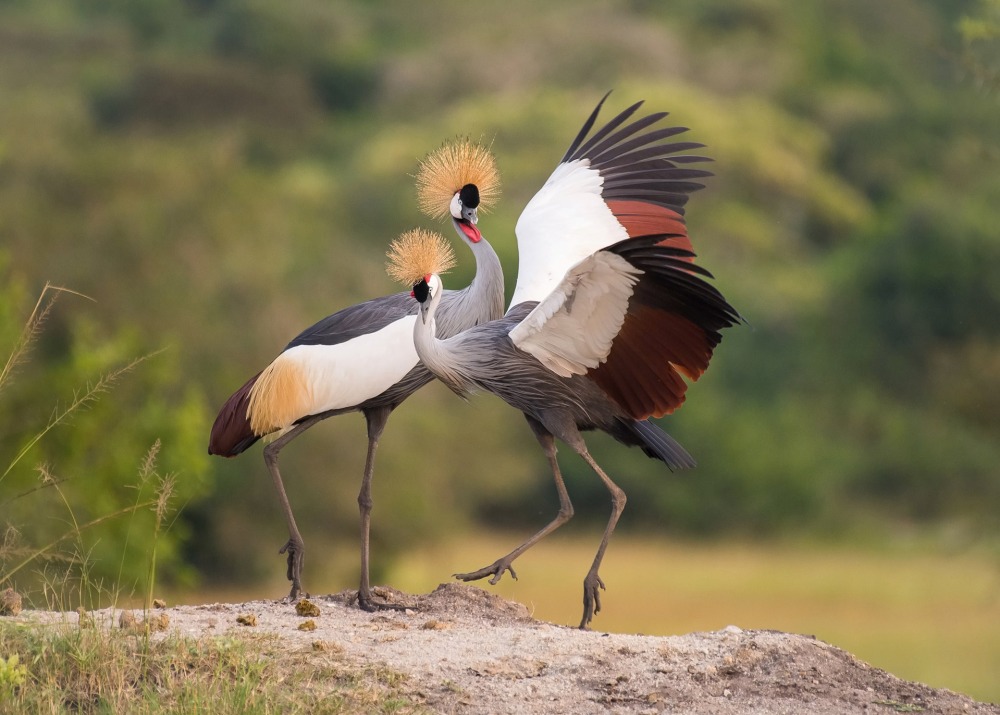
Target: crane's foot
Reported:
point(367, 602)
point(496, 570)
point(592, 587)
point(296, 557)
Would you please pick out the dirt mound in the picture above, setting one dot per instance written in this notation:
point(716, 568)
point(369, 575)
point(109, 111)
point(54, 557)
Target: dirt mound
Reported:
point(465, 650)
point(446, 600)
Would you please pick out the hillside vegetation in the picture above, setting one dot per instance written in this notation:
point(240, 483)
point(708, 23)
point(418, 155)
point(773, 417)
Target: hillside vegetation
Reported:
point(217, 175)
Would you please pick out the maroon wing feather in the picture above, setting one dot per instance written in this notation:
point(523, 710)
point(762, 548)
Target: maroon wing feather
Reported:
point(231, 433)
point(643, 219)
point(670, 331)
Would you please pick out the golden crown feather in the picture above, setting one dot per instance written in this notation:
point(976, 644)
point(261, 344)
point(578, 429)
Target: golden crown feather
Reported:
point(445, 171)
point(417, 253)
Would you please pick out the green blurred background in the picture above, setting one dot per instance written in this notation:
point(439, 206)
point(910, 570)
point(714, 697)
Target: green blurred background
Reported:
point(218, 175)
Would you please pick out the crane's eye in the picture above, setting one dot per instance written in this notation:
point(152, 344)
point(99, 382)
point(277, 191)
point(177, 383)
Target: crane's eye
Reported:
point(421, 291)
point(469, 196)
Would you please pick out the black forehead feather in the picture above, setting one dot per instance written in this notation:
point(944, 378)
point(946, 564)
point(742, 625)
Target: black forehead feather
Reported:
point(469, 196)
point(421, 291)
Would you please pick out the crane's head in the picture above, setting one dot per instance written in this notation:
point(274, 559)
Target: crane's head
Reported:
point(457, 180)
point(424, 291)
point(415, 259)
point(464, 209)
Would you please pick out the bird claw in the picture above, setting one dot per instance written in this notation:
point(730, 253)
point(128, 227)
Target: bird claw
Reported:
point(296, 557)
point(497, 569)
point(592, 587)
point(370, 605)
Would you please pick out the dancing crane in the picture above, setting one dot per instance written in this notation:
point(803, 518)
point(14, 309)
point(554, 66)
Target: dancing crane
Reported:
point(362, 358)
point(609, 312)
point(538, 358)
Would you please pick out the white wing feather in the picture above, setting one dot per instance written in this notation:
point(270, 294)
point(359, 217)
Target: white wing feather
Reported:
point(572, 329)
point(566, 221)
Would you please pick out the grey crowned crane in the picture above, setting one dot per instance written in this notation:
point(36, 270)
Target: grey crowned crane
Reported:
point(362, 358)
point(541, 358)
point(609, 312)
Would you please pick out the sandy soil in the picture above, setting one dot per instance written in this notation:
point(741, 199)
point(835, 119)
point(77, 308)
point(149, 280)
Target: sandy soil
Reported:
point(464, 650)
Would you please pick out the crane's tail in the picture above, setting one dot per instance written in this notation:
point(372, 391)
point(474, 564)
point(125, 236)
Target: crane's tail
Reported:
point(658, 444)
point(231, 433)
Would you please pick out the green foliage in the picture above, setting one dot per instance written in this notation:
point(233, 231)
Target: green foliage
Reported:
point(103, 521)
point(219, 175)
point(12, 676)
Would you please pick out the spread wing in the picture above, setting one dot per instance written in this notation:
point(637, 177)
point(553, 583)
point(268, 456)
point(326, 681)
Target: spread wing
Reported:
point(572, 329)
point(636, 318)
point(625, 180)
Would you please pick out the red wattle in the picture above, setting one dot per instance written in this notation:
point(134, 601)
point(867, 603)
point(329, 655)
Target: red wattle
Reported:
point(470, 231)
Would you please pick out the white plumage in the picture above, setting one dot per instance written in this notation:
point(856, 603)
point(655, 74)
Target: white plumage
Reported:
point(572, 329)
point(566, 221)
point(349, 373)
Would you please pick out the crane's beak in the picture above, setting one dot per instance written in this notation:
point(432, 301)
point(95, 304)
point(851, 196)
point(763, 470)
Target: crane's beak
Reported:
point(470, 215)
point(467, 224)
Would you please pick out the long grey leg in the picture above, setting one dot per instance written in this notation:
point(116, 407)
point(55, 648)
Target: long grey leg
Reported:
point(497, 568)
point(376, 419)
point(295, 548)
point(593, 584)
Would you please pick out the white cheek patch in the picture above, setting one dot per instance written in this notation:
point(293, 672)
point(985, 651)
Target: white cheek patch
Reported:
point(455, 207)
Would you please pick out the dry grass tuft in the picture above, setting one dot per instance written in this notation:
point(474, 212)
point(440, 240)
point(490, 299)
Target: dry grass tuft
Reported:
point(69, 669)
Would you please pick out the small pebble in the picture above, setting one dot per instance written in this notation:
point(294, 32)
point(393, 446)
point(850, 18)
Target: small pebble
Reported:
point(10, 602)
point(435, 625)
point(159, 622)
point(307, 608)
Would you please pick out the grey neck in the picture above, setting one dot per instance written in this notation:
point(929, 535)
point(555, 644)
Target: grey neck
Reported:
point(478, 303)
point(438, 355)
point(487, 289)
point(482, 300)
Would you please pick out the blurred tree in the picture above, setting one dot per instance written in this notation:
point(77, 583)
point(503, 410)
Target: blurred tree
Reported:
point(980, 31)
point(220, 174)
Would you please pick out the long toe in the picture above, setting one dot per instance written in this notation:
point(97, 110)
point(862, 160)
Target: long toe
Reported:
point(371, 606)
point(495, 570)
point(592, 587)
point(295, 562)
point(367, 602)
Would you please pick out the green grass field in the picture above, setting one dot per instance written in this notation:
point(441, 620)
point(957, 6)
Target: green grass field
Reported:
point(934, 618)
